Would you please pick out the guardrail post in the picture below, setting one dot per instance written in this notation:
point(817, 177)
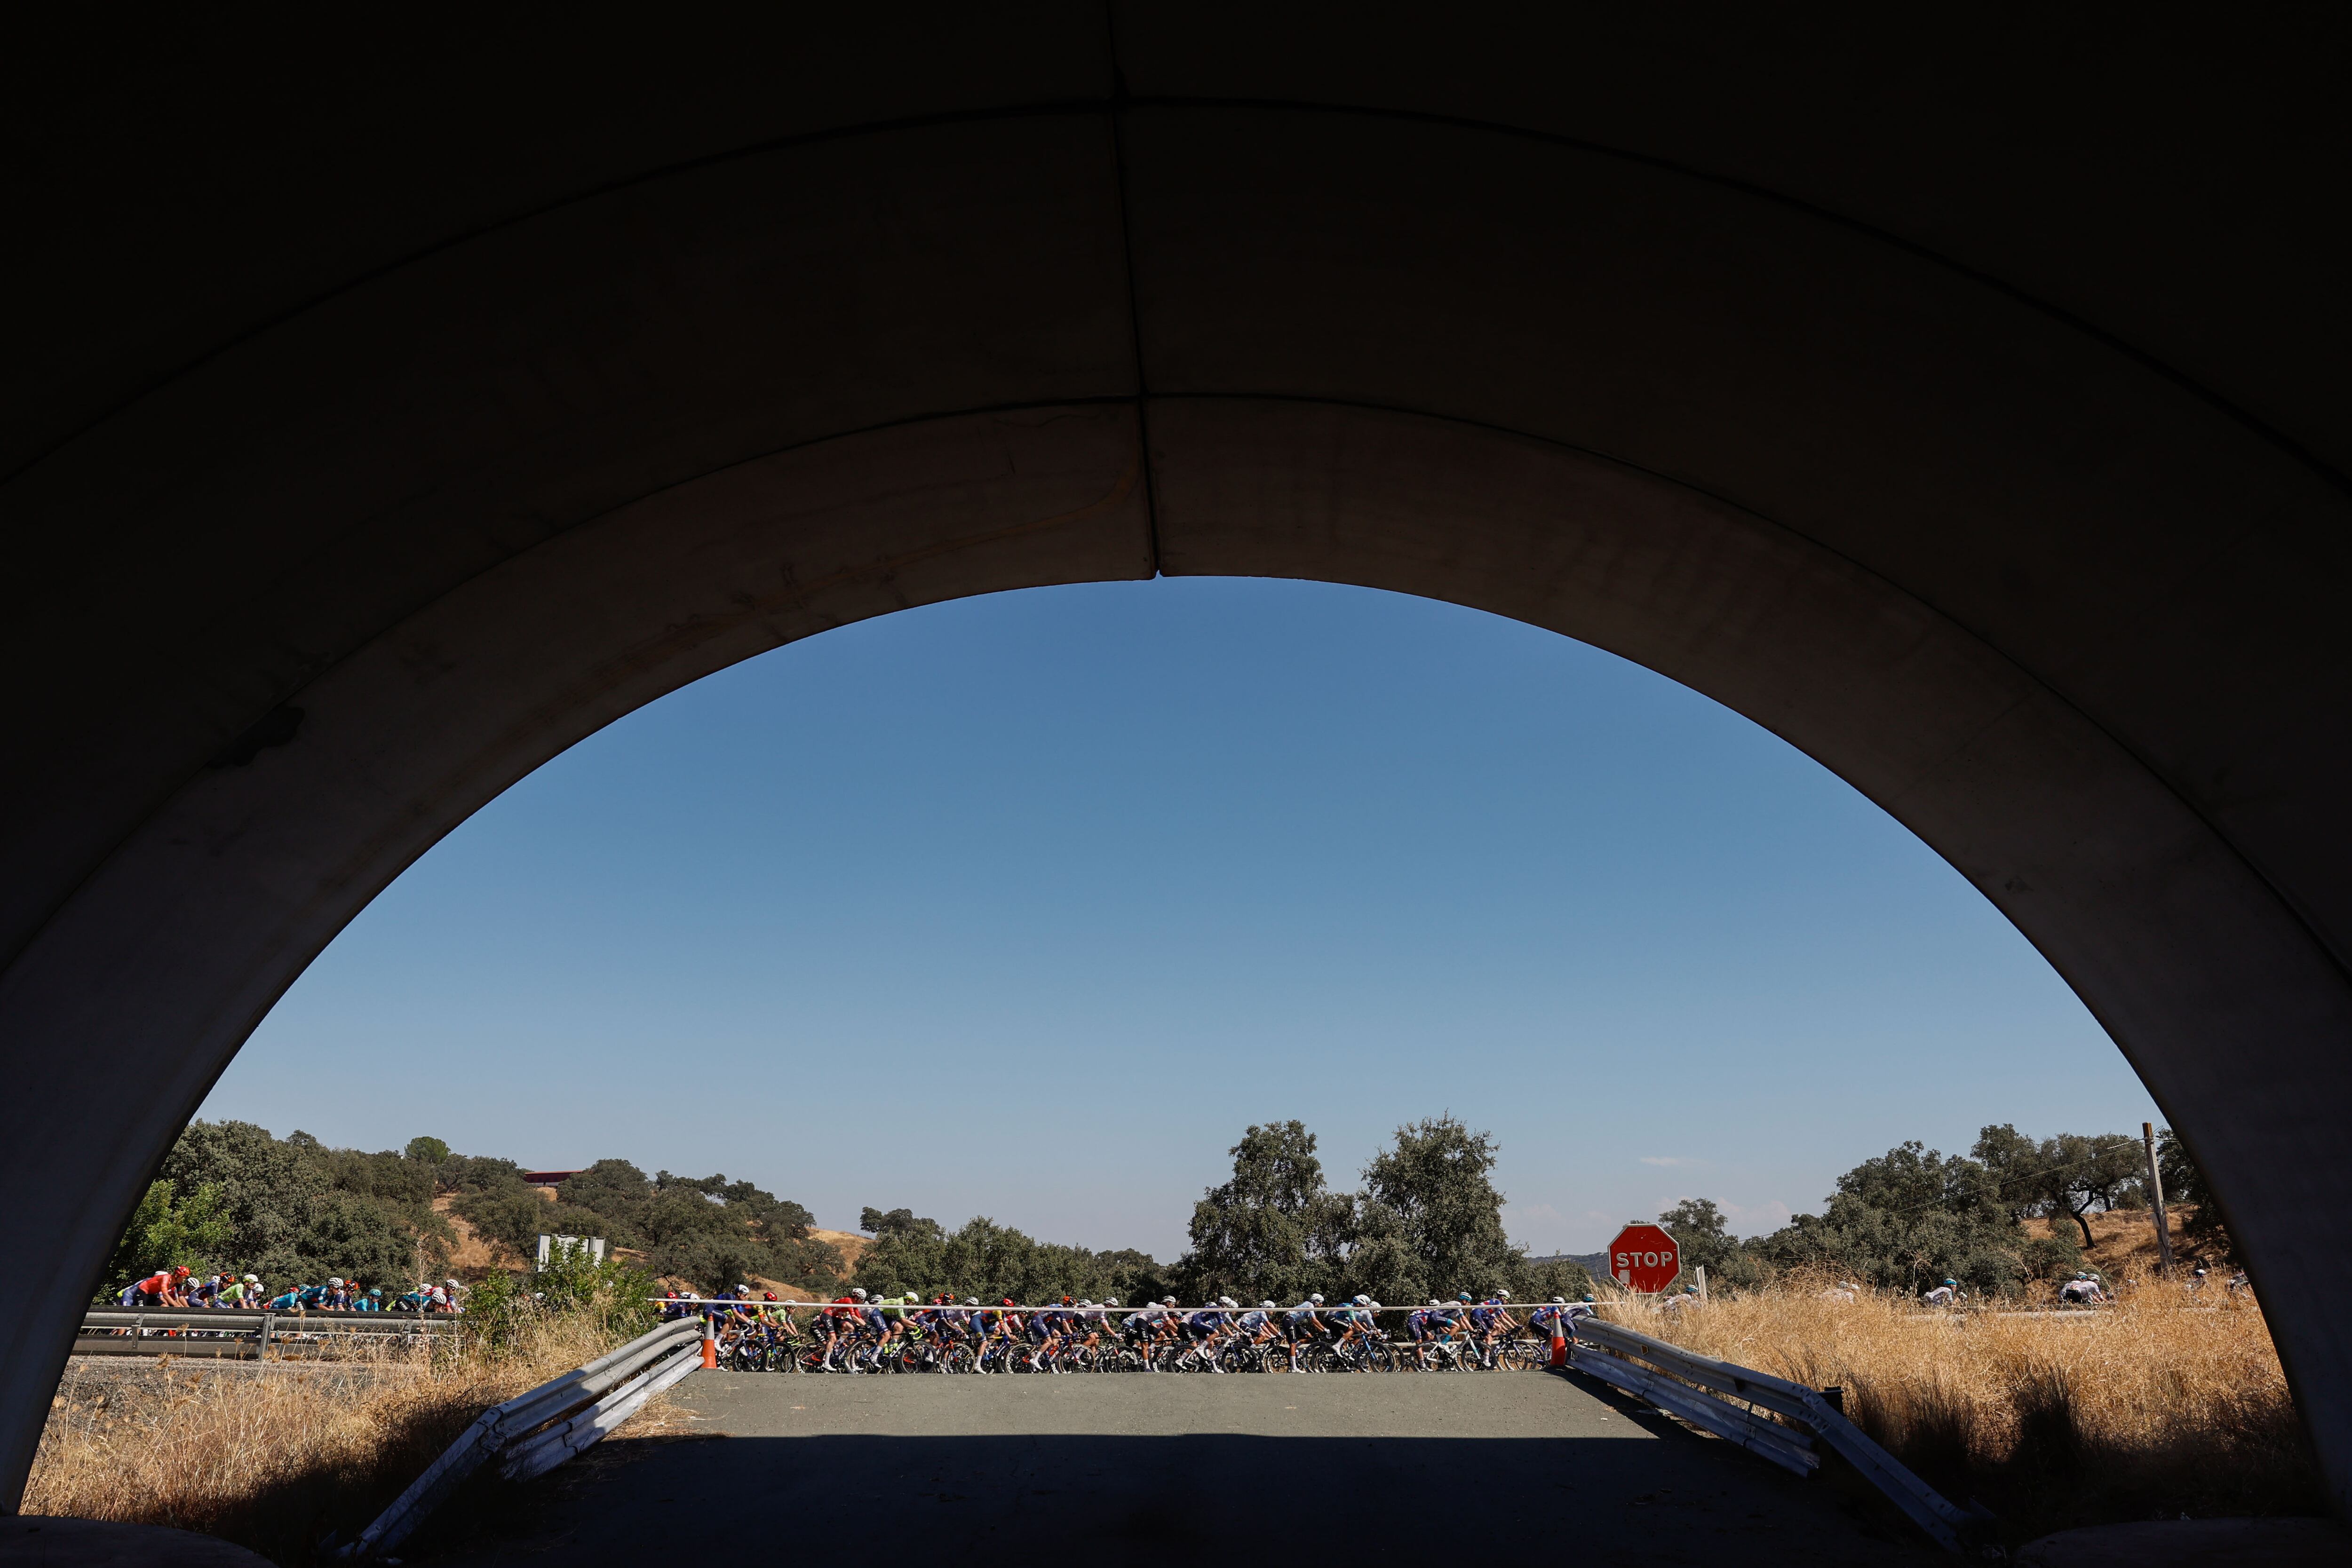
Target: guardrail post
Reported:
point(261, 1347)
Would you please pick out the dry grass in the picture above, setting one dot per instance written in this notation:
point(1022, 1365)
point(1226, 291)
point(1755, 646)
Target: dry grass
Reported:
point(2164, 1404)
point(274, 1456)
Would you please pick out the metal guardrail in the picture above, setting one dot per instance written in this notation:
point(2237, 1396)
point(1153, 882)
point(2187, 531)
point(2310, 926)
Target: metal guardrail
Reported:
point(1611, 1352)
point(534, 1432)
point(243, 1336)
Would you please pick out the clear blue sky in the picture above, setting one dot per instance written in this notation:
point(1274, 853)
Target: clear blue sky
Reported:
point(1026, 906)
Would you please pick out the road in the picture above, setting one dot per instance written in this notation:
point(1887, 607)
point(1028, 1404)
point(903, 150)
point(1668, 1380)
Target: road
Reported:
point(1151, 1470)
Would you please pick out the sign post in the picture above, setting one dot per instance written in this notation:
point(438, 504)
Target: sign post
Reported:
point(1645, 1258)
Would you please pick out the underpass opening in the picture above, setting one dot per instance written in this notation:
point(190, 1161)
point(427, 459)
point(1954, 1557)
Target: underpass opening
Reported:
point(1959, 744)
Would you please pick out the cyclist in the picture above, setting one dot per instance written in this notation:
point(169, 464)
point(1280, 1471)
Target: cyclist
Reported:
point(1356, 1320)
point(1422, 1322)
point(1092, 1320)
point(159, 1289)
point(838, 1319)
point(1302, 1326)
point(1487, 1318)
point(1006, 1330)
point(1257, 1325)
point(1142, 1328)
point(1204, 1326)
point(1553, 1319)
point(2083, 1289)
point(1947, 1294)
point(1584, 1306)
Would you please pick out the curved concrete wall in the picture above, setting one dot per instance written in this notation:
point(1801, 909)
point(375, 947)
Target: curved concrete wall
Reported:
point(2001, 472)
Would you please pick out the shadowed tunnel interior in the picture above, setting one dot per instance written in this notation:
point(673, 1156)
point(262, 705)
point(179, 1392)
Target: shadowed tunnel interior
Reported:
point(1969, 415)
point(1162, 1470)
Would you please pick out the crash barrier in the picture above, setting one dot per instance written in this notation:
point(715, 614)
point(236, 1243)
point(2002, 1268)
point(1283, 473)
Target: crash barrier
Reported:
point(1614, 1354)
point(250, 1336)
point(532, 1433)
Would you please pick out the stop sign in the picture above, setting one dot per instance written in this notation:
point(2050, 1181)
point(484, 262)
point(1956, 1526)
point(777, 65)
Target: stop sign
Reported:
point(1645, 1258)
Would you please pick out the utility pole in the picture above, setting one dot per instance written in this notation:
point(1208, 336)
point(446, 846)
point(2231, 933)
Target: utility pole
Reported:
point(2155, 1201)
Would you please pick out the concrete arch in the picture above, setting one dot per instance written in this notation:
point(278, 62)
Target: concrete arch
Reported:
point(2042, 550)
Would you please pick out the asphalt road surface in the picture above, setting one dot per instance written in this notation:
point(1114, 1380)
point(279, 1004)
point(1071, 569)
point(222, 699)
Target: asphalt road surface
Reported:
point(1151, 1470)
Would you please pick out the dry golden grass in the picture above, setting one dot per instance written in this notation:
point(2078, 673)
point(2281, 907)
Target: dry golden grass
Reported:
point(2168, 1402)
point(276, 1455)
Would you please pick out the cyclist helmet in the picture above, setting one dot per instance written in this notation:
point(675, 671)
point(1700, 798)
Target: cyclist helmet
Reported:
point(1951, 1283)
point(1559, 1301)
point(1435, 1303)
point(1316, 1298)
point(1502, 1295)
point(768, 1295)
point(1008, 1300)
point(1169, 1303)
point(1265, 1303)
point(1110, 1301)
point(1461, 1295)
point(331, 1284)
point(858, 1293)
point(1363, 1300)
point(253, 1279)
point(378, 1290)
point(1227, 1301)
point(972, 1300)
point(1586, 1297)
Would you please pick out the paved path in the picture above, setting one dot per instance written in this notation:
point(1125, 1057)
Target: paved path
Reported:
point(1148, 1469)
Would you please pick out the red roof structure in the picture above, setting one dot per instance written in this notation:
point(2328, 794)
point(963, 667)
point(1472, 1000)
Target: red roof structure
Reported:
point(546, 1178)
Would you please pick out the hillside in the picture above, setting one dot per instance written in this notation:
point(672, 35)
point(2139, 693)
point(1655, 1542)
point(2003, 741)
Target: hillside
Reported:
point(234, 1197)
point(848, 1243)
point(2124, 1241)
point(475, 1255)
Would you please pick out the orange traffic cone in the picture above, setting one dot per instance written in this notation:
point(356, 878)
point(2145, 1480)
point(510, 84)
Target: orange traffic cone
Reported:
point(1559, 1348)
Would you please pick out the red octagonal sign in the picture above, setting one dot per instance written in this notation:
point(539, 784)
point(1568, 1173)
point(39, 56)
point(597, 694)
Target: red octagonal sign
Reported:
point(1645, 1258)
